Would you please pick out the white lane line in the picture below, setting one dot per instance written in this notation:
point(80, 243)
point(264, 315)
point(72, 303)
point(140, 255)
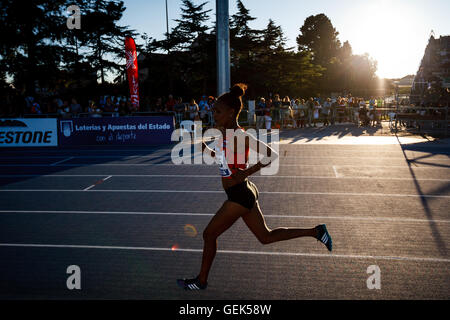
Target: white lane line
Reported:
point(389, 219)
point(335, 172)
point(135, 157)
point(215, 176)
point(426, 167)
point(290, 254)
point(97, 183)
point(59, 162)
point(100, 150)
point(221, 191)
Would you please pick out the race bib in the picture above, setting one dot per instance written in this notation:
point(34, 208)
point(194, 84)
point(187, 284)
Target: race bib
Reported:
point(223, 164)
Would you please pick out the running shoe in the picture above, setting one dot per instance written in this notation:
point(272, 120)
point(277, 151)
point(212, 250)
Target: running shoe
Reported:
point(191, 284)
point(324, 237)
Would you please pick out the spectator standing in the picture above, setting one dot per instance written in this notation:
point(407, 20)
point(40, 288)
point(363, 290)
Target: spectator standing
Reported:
point(373, 111)
point(302, 113)
point(203, 108)
point(334, 105)
point(310, 109)
point(64, 111)
point(276, 108)
point(170, 103)
point(193, 110)
point(75, 108)
point(295, 112)
point(211, 102)
point(317, 108)
point(180, 109)
point(286, 111)
point(364, 114)
point(268, 115)
point(109, 106)
point(260, 113)
point(341, 109)
point(326, 111)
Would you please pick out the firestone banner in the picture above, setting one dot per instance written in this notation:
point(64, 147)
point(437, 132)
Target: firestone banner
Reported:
point(132, 72)
point(28, 133)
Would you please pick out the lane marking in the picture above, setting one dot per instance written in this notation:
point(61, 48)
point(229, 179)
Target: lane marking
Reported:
point(290, 254)
point(223, 192)
point(389, 219)
point(134, 157)
point(215, 176)
point(90, 150)
point(427, 167)
point(59, 162)
point(97, 183)
point(335, 172)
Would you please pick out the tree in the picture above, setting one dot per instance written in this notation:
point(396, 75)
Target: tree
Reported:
point(191, 25)
point(245, 44)
point(31, 46)
point(281, 70)
point(319, 37)
point(239, 23)
point(102, 37)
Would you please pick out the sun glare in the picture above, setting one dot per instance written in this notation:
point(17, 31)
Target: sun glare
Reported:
point(387, 32)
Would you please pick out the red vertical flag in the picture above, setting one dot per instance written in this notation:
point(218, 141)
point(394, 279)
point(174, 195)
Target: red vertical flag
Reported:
point(132, 72)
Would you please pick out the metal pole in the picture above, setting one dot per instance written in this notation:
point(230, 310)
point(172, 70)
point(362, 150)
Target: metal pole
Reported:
point(223, 47)
point(167, 20)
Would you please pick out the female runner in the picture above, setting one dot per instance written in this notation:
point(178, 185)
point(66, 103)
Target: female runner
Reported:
point(242, 194)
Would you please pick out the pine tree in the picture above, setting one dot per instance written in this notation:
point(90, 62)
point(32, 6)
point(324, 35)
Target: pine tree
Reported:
point(245, 44)
point(190, 27)
point(31, 46)
point(103, 37)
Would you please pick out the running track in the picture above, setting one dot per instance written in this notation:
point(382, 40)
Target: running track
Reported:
point(132, 221)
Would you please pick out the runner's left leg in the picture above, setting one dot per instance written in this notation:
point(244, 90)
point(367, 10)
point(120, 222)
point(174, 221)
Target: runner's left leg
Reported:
point(225, 217)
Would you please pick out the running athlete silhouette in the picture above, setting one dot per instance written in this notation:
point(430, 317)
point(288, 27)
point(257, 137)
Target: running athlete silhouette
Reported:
point(242, 194)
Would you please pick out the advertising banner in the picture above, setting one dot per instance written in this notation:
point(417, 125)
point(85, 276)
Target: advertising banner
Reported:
point(116, 131)
point(132, 72)
point(28, 133)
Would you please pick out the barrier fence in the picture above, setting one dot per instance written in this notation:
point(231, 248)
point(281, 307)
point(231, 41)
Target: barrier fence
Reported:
point(410, 117)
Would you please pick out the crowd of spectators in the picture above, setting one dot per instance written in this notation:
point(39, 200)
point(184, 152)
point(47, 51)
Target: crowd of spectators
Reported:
point(183, 110)
point(271, 112)
point(71, 108)
point(118, 106)
point(301, 113)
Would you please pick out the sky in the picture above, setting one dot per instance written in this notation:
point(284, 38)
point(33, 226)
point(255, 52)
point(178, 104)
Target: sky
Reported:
point(393, 32)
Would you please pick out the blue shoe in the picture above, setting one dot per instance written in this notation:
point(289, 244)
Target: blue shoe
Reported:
point(324, 237)
point(191, 284)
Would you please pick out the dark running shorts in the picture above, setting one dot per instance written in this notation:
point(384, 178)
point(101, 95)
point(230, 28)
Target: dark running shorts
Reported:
point(244, 193)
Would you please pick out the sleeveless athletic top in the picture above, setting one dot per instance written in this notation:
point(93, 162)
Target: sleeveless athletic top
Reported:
point(240, 160)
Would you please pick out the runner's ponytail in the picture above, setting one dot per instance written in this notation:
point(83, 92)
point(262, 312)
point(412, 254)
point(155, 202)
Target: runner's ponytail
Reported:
point(233, 99)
